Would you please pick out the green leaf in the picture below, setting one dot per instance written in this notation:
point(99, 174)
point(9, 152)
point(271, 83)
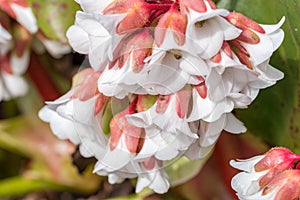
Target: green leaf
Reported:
point(183, 169)
point(54, 17)
point(275, 114)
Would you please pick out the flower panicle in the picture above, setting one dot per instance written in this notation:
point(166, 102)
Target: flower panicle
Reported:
point(164, 79)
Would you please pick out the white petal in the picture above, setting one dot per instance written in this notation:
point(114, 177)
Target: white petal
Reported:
point(272, 28)
point(16, 85)
point(19, 65)
point(233, 125)
point(201, 107)
point(92, 6)
point(25, 17)
point(246, 183)
point(78, 39)
point(247, 164)
point(109, 162)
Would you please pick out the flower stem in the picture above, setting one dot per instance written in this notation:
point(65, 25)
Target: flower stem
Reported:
point(41, 79)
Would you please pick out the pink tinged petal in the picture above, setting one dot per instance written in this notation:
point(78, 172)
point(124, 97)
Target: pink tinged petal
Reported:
point(162, 103)
point(248, 36)
point(25, 17)
point(217, 58)
point(233, 125)
point(140, 45)
point(149, 148)
point(243, 54)
point(115, 131)
point(182, 101)
point(274, 157)
point(286, 185)
point(201, 88)
point(243, 22)
point(229, 31)
point(134, 139)
point(174, 21)
point(149, 164)
point(88, 87)
point(137, 12)
point(78, 39)
point(196, 5)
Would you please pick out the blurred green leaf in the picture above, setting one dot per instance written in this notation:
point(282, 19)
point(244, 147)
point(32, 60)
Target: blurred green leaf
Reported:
point(275, 114)
point(54, 17)
point(183, 169)
point(50, 163)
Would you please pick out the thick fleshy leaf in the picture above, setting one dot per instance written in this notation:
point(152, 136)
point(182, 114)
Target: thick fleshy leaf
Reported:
point(275, 114)
point(54, 17)
point(184, 169)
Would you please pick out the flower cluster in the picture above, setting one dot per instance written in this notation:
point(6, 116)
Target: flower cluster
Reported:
point(274, 175)
point(19, 33)
point(164, 79)
point(14, 47)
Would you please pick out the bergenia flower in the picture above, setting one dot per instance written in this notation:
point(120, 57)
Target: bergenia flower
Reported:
point(274, 175)
point(14, 60)
point(20, 11)
point(165, 78)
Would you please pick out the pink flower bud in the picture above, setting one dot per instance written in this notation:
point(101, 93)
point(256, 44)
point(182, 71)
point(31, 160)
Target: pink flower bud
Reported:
point(137, 12)
point(286, 185)
point(174, 21)
point(201, 88)
point(119, 126)
point(183, 100)
point(140, 46)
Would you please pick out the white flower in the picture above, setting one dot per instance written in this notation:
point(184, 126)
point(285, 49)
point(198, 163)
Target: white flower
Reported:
point(207, 31)
point(12, 66)
point(260, 172)
point(95, 35)
point(169, 70)
point(167, 133)
point(209, 132)
point(5, 40)
point(21, 11)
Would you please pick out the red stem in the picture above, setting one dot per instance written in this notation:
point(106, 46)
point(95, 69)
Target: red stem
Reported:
point(41, 79)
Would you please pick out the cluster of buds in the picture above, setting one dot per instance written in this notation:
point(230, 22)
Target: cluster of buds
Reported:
point(164, 78)
point(274, 175)
point(15, 37)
